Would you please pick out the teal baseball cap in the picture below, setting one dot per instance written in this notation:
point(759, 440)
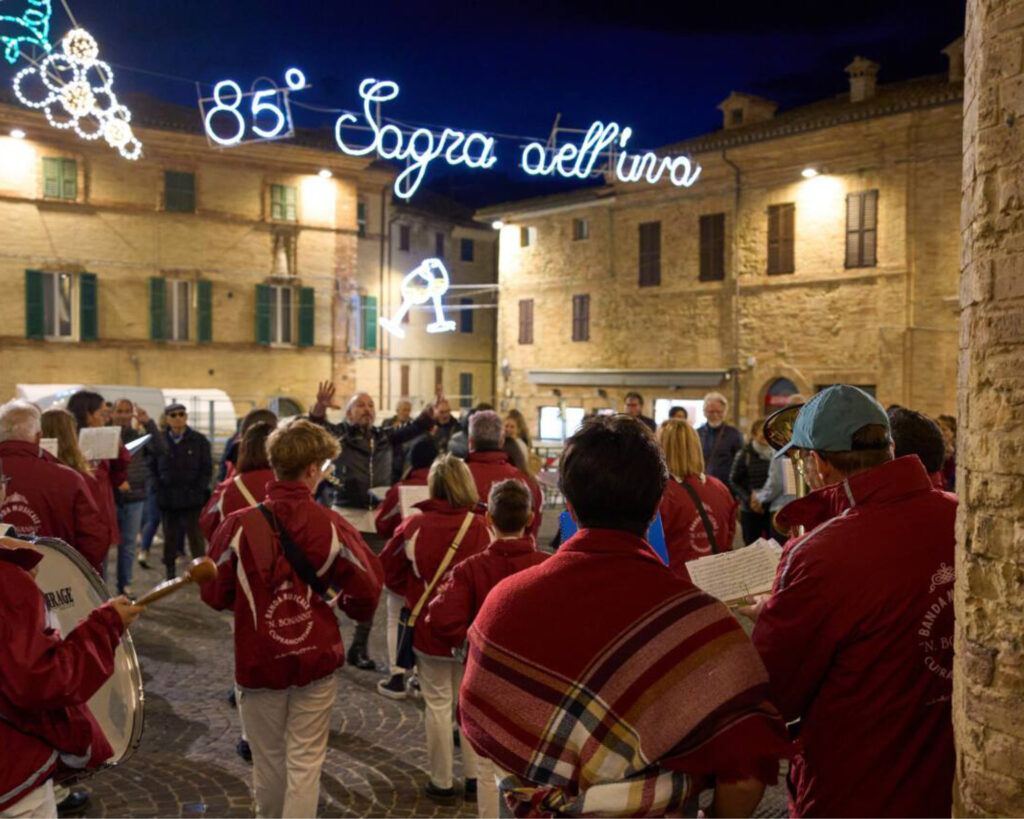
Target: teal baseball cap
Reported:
point(829, 420)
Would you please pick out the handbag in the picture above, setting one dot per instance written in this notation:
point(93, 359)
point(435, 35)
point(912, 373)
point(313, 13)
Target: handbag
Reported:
point(703, 515)
point(404, 656)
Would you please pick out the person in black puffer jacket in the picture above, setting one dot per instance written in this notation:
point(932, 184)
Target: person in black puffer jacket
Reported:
point(183, 465)
point(748, 474)
point(131, 500)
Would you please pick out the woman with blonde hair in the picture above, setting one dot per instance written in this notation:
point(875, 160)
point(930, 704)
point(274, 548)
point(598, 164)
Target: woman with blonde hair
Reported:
point(698, 512)
point(417, 560)
point(60, 424)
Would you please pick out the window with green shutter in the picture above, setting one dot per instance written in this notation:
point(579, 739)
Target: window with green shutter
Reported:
point(157, 309)
point(34, 321)
point(88, 316)
point(307, 302)
point(179, 192)
point(370, 323)
point(204, 329)
point(283, 199)
point(361, 219)
point(264, 297)
point(60, 178)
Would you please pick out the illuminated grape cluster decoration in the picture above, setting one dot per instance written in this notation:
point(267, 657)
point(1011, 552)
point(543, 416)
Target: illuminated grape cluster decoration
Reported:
point(74, 88)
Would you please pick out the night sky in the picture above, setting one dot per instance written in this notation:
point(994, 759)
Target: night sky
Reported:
point(510, 67)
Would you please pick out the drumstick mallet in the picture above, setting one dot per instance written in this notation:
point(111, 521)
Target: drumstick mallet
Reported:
point(201, 570)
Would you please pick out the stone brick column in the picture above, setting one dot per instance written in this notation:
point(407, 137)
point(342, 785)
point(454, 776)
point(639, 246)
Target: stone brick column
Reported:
point(988, 692)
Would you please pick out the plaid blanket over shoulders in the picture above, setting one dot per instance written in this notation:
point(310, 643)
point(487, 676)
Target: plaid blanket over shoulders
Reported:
point(600, 684)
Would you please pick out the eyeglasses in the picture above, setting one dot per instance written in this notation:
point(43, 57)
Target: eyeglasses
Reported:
point(177, 414)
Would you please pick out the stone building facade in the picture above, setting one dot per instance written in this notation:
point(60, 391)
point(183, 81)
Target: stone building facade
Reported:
point(757, 281)
point(988, 678)
point(256, 270)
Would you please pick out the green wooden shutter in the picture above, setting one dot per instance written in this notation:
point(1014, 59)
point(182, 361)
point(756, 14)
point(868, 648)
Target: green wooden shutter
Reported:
point(179, 192)
point(263, 304)
point(291, 211)
point(88, 317)
point(276, 202)
point(69, 179)
point(51, 177)
point(307, 301)
point(157, 309)
point(370, 323)
point(34, 321)
point(205, 312)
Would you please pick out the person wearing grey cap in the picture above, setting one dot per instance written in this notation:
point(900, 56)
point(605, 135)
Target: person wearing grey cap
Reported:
point(857, 634)
point(183, 465)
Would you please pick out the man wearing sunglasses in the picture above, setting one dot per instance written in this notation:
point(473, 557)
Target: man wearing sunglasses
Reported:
point(183, 466)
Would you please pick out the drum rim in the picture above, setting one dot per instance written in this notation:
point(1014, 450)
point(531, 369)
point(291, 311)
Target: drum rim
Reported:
point(127, 643)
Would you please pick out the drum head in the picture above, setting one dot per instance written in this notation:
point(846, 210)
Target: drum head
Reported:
point(72, 590)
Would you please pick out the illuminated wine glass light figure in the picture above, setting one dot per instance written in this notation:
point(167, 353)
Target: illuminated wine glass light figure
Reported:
point(427, 282)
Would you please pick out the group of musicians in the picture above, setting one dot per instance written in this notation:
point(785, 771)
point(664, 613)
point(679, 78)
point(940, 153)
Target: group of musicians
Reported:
point(839, 643)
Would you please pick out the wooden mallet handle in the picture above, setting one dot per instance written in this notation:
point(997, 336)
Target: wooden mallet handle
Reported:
point(201, 570)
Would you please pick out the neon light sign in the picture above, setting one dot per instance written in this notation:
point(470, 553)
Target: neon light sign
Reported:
point(227, 99)
point(31, 27)
point(427, 282)
point(418, 147)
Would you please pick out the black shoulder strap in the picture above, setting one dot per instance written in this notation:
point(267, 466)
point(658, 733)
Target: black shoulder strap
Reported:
point(293, 554)
point(703, 515)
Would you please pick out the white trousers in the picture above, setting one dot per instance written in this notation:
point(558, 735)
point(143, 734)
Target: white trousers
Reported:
point(39, 804)
point(486, 787)
point(288, 736)
point(439, 683)
point(394, 603)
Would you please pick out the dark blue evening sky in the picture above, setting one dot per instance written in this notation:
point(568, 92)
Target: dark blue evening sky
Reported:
point(510, 67)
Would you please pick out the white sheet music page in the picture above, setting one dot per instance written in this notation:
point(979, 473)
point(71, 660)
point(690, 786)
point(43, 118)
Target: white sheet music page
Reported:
point(734, 576)
point(409, 496)
point(100, 443)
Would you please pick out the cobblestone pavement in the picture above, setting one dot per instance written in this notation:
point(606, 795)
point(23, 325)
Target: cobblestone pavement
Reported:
point(187, 766)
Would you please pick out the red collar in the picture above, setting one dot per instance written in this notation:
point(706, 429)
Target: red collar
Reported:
point(441, 507)
point(609, 541)
point(419, 475)
point(489, 456)
point(516, 546)
point(19, 449)
point(288, 490)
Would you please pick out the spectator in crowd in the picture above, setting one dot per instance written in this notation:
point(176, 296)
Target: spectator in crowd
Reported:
point(229, 457)
point(749, 475)
point(571, 700)
point(364, 463)
point(635, 409)
point(517, 431)
point(387, 519)
point(452, 611)
point(417, 560)
point(857, 633)
point(111, 474)
point(131, 502)
point(286, 655)
point(489, 464)
point(401, 418)
point(247, 486)
point(44, 497)
point(914, 433)
point(948, 425)
point(183, 468)
point(445, 425)
point(151, 513)
point(698, 512)
point(678, 412)
point(719, 441)
point(45, 684)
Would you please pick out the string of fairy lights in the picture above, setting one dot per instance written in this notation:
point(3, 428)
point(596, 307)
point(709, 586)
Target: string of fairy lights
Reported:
point(70, 84)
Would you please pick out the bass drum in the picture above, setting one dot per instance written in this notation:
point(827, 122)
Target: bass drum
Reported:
point(72, 590)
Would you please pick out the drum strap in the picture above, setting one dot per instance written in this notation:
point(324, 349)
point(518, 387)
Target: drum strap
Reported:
point(293, 554)
point(245, 491)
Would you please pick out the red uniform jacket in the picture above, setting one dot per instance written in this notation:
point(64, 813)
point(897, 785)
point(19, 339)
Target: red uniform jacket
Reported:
point(389, 513)
point(457, 602)
point(415, 552)
point(228, 498)
point(47, 499)
point(490, 467)
point(109, 475)
point(46, 682)
point(857, 637)
point(685, 535)
point(285, 634)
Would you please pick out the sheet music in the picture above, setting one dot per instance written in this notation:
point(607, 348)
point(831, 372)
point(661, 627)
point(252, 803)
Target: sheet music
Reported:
point(409, 496)
point(49, 445)
point(362, 519)
point(138, 443)
point(733, 576)
point(100, 443)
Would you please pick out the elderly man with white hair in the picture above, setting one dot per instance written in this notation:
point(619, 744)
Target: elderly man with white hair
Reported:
point(489, 464)
point(44, 497)
point(719, 441)
point(365, 462)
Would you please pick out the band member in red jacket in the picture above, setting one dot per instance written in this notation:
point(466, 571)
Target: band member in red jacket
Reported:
point(489, 464)
point(246, 485)
point(274, 565)
point(857, 635)
point(44, 497)
point(508, 517)
point(45, 684)
point(412, 559)
point(688, 534)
